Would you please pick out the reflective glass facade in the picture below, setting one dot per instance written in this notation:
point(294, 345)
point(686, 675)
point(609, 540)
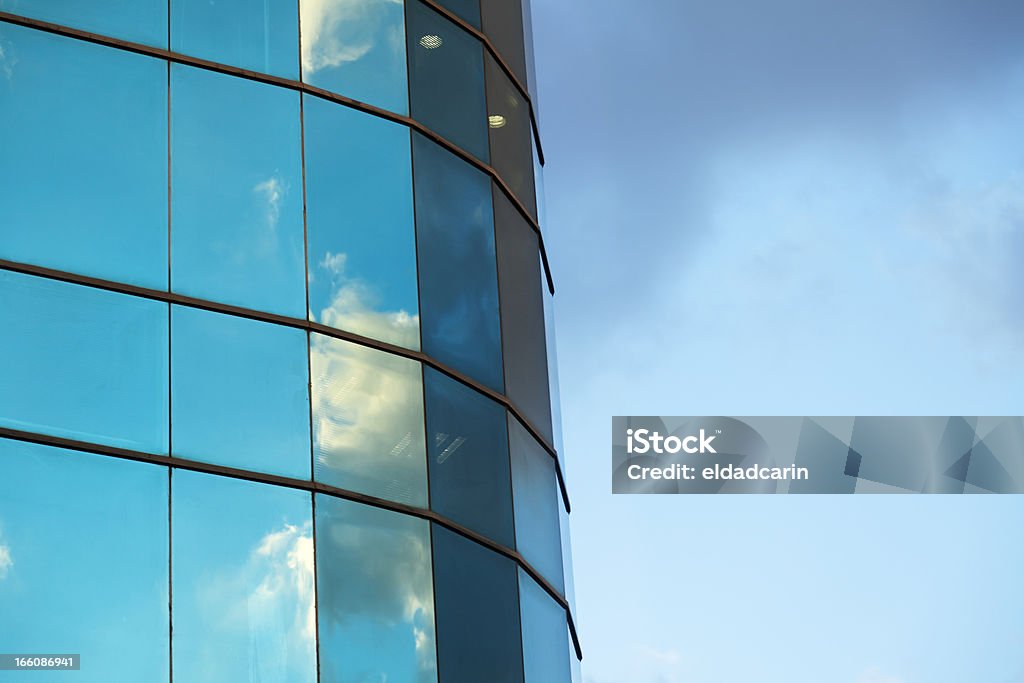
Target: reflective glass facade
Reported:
point(276, 385)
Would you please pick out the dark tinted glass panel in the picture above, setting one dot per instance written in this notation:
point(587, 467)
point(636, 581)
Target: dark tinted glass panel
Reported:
point(83, 363)
point(478, 636)
point(545, 637)
point(239, 393)
point(536, 496)
point(467, 10)
point(236, 220)
point(356, 48)
point(522, 314)
point(458, 282)
point(368, 421)
point(508, 119)
point(243, 581)
point(446, 79)
point(359, 217)
point(552, 354)
point(140, 21)
point(467, 450)
point(503, 24)
point(83, 167)
point(375, 594)
point(260, 36)
point(83, 562)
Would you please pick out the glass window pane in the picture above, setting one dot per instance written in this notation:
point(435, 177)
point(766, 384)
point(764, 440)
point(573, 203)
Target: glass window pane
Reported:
point(467, 10)
point(236, 220)
point(356, 48)
point(508, 118)
point(545, 636)
point(83, 171)
point(478, 637)
point(244, 605)
point(375, 592)
point(138, 21)
point(503, 24)
point(259, 36)
point(83, 561)
point(83, 363)
point(468, 458)
point(239, 393)
point(458, 280)
point(537, 499)
point(446, 79)
point(359, 216)
point(522, 314)
point(368, 421)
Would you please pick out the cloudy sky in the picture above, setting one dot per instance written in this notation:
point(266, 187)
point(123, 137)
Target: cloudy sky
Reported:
point(787, 207)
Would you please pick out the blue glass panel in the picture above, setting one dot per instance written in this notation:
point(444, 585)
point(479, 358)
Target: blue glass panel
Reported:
point(375, 593)
point(83, 363)
point(239, 393)
point(566, 543)
point(537, 499)
point(356, 48)
point(458, 283)
point(545, 636)
point(478, 636)
point(244, 607)
point(468, 457)
point(139, 21)
point(467, 10)
point(83, 167)
point(83, 562)
point(359, 217)
point(446, 79)
point(368, 421)
point(260, 36)
point(236, 220)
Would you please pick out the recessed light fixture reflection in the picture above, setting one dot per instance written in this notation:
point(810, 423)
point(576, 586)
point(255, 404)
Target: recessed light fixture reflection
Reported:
point(431, 42)
point(496, 121)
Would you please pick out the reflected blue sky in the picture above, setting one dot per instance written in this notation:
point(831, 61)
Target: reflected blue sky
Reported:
point(546, 648)
point(139, 21)
point(376, 594)
point(239, 393)
point(361, 231)
point(243, 581)
point(236, 214)
point(458, 278)
point(260, 36)
point(108, 386)
point(83, 562)
point(83, 130)
point(356, 48)
point(368, 430)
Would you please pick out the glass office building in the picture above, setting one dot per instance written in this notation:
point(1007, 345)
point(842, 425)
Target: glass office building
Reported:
point(276, 390)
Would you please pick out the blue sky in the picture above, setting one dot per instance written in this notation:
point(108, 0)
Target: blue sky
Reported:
point(787, 208)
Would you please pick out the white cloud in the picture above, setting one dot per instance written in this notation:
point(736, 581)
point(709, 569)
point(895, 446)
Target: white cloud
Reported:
point(7, 63)
point(271, 191)
point(5, 560)
point(336, 32)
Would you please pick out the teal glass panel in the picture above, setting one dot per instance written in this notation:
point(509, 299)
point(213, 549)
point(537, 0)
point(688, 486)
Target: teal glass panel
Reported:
point(138, 21)
point(468, 458)
point(368, 421)
point(545, 635)
point(478, 632)
point(375, 592)
point(537, 499)
point(83, 157)
point(83, 363)
point(236, 219)
point(239, 393)
point(83, 563)
point(244, 601)
point(461, 324)
point(446, 79)
point(356, 48)
point(260, 36)
point(361, 230)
